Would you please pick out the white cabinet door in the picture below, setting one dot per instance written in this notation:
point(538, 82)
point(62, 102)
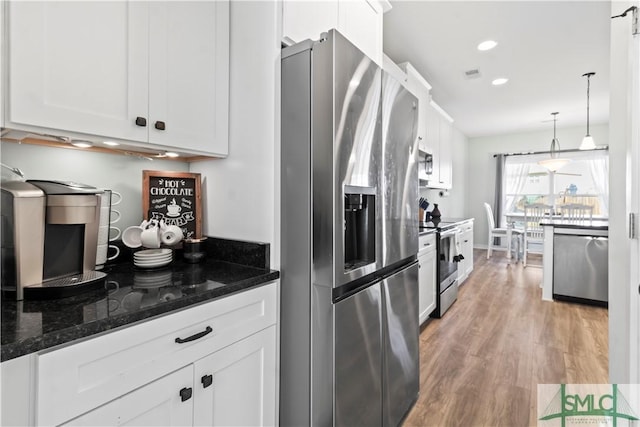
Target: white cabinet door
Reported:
point(361, 22)
point(147, 72)
point(167, 401)
point(419, 87)
point(427, 284)
point(236, 386)
point(465, 267)
point(78, 66)
point(446, 151)
point(432, 119)
point(303, 19)
point(440, 141)
point(189, 75)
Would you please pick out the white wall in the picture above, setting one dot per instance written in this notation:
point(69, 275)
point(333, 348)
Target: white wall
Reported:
point(240, 191)
point(453, 204)
point(481, 166)
point(111, 171)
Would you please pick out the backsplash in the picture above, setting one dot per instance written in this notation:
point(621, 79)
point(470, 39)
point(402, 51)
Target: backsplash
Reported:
point(450, 204)
point(110, 171)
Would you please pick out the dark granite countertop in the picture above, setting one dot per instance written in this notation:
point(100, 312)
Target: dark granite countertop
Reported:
point(130, 295)
point(433, 225)
point(595, 224)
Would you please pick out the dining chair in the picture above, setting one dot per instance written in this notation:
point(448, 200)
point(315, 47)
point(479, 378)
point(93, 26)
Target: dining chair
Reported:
point(533, 231)
point(499, 232)
point(576, 212)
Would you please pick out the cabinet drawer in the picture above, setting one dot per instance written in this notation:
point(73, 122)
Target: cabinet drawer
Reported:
point(77, 378)
point(427, 242)
point(467, 226)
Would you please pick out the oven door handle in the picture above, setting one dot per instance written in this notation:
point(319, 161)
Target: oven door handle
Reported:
point(449, 232)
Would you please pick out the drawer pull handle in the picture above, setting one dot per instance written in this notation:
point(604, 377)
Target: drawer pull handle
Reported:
point(195, 337)
point(206, 381)
point(186, 393)
point(160, 125)
point(141, 121)
point(427, 244)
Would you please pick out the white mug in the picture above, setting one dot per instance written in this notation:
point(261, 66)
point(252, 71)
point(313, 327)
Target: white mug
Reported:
point(112, 238)
point(115, 255)
point(131, 236)
point(118, 215)
point(150, 237)
point(171, 234)
point(105, 234)
point(101, 254)
point(119, 197)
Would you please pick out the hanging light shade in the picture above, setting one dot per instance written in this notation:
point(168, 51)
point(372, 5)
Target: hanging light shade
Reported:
point(587, 141)
point(553, 163)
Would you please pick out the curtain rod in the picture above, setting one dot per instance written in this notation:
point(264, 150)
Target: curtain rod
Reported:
point(570, 150)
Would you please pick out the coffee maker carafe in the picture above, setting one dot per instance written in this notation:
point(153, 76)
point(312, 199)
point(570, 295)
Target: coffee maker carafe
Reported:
point(49, 238)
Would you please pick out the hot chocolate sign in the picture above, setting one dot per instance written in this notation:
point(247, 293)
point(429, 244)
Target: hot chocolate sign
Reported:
point(173, 197)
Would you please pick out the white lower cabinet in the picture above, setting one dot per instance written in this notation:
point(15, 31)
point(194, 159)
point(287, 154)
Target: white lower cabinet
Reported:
point(156, 404)
point(233, 386)
point(213, 364)
point(465, 238)
point(236, 385)
point(427, 277)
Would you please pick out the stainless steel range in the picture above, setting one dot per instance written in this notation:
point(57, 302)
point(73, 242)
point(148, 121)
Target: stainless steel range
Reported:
point(448, 259)
point(349, 274)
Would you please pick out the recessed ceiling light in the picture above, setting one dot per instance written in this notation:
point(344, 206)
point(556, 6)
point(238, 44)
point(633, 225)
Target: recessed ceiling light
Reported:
point(171, 154)
point(487, 45)
point(111, 143)
point(81, 144)
point(499, 81)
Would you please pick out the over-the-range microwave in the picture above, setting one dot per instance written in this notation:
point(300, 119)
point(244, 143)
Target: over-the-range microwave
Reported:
point(425, 165)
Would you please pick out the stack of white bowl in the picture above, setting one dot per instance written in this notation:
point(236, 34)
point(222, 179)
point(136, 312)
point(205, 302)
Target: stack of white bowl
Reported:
point(152, 258)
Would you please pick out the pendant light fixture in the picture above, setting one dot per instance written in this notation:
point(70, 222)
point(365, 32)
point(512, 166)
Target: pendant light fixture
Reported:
point(553, 163)
point(587, 141)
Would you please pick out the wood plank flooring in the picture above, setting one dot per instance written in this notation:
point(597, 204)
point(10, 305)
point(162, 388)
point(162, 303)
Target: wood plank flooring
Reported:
point(481, 363)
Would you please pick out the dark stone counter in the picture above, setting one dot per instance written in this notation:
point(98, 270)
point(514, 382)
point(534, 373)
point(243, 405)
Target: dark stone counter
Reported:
point(131, 295)
point(595, 224)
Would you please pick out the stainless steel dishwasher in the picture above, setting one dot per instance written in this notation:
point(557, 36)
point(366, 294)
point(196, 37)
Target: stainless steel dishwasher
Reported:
point(580, 265)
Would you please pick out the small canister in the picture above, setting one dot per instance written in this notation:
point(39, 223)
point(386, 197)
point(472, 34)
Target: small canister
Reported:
point(194, 249)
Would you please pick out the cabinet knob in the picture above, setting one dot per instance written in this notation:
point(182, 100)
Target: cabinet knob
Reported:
point(141, 121)
point(160, 125)
point(206, 381)
point(186, 393)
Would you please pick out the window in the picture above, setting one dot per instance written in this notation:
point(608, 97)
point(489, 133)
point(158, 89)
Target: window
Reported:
point(585, 180)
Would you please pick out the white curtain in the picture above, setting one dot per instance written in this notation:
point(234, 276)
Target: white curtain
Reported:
point(516, 173)
point(599, 168)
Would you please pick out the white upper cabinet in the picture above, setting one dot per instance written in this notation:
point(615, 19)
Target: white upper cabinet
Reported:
point(439, 142)
point(420, 89)
point(303, 20)
point(148, 72)
point(189, 75)
point(360, 21)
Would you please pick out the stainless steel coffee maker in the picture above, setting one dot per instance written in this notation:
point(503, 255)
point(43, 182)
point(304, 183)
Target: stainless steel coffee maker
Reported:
point(49, 238)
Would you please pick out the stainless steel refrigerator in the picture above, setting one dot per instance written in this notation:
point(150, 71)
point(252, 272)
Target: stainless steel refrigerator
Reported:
point(349, 237)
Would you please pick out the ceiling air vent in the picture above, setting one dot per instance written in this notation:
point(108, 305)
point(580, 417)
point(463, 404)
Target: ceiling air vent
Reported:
point(472, 74)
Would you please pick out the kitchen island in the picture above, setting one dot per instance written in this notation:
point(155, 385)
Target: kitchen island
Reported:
point(176, 344)
point(553, 228)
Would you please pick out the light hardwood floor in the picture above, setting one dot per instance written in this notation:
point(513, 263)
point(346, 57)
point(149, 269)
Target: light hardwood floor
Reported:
point(481, 363)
